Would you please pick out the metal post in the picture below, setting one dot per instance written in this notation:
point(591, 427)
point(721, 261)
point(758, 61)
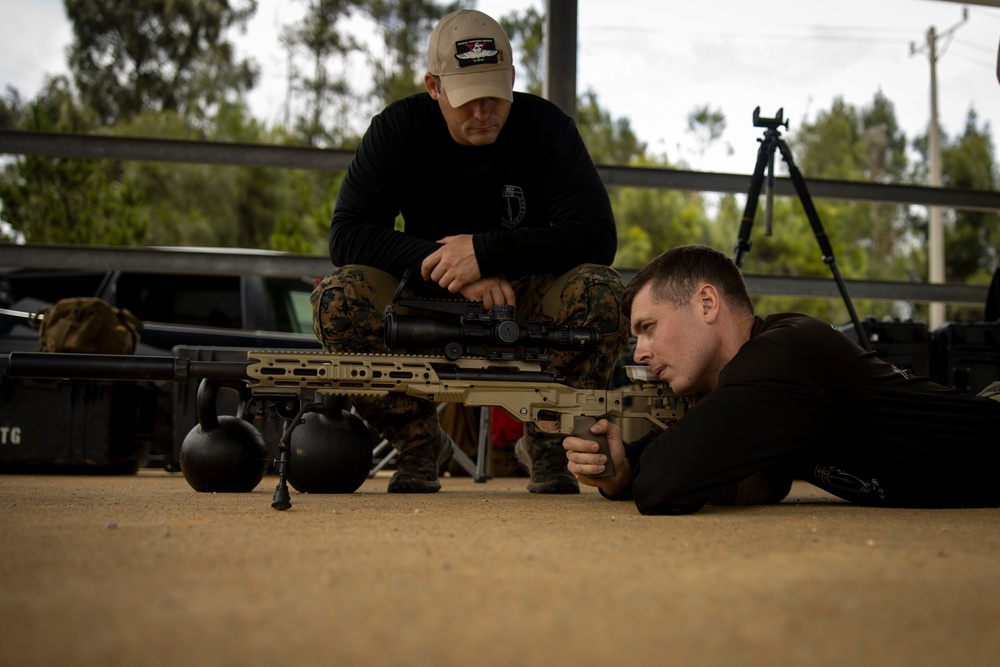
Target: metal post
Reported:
point(560, 54)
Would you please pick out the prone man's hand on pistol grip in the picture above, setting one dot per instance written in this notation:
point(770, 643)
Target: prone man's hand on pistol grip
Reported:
point(581, 429)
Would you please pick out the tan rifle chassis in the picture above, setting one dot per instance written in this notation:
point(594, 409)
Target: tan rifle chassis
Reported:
point(519, 388)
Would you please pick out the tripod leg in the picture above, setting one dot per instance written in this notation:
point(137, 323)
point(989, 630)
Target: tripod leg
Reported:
point(769, 197)
point(824, 242)
point(764, 157)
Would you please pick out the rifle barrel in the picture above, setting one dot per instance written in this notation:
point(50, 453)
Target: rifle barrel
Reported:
point(70, 366)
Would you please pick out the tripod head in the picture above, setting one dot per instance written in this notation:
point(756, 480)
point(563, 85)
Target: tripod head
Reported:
point(770, 123)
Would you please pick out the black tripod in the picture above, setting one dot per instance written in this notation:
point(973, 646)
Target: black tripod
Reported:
point(765, 166)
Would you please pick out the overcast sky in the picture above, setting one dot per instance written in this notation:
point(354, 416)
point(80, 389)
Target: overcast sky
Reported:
point(653, 61)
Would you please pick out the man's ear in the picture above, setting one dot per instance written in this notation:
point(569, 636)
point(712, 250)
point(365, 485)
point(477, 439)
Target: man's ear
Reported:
point(431, 84)
point(710, 302)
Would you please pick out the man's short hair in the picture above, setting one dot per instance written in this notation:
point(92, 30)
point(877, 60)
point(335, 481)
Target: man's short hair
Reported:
point(677, 273)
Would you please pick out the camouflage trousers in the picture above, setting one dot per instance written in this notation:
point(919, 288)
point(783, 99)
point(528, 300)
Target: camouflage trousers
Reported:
point(349, 318)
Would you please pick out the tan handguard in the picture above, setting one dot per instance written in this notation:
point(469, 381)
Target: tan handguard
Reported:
point(520, 388)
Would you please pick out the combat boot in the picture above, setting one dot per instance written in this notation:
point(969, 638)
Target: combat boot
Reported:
point(417, 468)
point(544, 458)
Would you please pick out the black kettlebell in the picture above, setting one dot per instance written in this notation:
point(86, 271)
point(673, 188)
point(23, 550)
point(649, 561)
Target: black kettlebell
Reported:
point(330, 451)
point(224, 454)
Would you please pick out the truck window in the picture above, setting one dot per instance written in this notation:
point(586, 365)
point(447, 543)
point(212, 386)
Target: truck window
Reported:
point(46, 285)
point(288, 304)
point(208, 301)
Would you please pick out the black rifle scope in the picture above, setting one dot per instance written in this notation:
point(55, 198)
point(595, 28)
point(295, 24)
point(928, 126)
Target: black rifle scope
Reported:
point(495, 328)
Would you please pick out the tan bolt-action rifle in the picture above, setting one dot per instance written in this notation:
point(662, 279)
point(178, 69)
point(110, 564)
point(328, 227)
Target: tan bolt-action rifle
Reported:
point(521, 388)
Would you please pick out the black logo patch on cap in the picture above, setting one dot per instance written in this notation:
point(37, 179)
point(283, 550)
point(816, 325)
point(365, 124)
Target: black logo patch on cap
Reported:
point(476, 51)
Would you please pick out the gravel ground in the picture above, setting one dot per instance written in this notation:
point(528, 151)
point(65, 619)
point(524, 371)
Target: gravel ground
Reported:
point(142, 570)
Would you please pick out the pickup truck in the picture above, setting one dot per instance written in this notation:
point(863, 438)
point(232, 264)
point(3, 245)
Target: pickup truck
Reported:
point(176, 309)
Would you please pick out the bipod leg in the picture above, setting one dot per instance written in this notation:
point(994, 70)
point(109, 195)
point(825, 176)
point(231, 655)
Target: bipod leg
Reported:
point(823, 240)
point(765, 160)
point(282, 499)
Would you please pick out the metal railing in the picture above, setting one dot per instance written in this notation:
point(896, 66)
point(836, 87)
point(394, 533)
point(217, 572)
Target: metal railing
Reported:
point(263, 263)
point(100, 147)
point(292, 157)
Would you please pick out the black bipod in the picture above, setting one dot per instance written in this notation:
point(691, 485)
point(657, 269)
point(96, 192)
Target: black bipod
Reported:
point(765, 167)
point(282, 499)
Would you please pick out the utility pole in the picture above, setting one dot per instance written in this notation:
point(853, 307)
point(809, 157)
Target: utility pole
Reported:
point(935, 214)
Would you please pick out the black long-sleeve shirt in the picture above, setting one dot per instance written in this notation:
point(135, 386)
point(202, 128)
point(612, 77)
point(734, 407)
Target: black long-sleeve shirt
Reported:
point(532, 200)
point(802, 395)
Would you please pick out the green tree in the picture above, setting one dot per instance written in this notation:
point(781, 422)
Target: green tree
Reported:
point(972, 238)
point(11, 107)
point(706, 126)
point(609, 140)
point(322, 83)
point(649, 221)
point(526, 33)
point(864, 144)
point(244, 207)
point(405, 27)
point(133, 57)
point(66, 200)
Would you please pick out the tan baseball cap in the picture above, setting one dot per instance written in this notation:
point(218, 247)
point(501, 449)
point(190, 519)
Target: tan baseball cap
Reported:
point(471, 54)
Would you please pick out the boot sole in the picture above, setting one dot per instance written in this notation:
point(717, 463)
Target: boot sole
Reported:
point(562, 486)
point(411, 484)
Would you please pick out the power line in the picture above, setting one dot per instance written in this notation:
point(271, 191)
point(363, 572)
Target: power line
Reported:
point(973, 45)
point(976, 61)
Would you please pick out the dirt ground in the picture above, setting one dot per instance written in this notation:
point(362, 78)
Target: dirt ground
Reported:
point(142, 570)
